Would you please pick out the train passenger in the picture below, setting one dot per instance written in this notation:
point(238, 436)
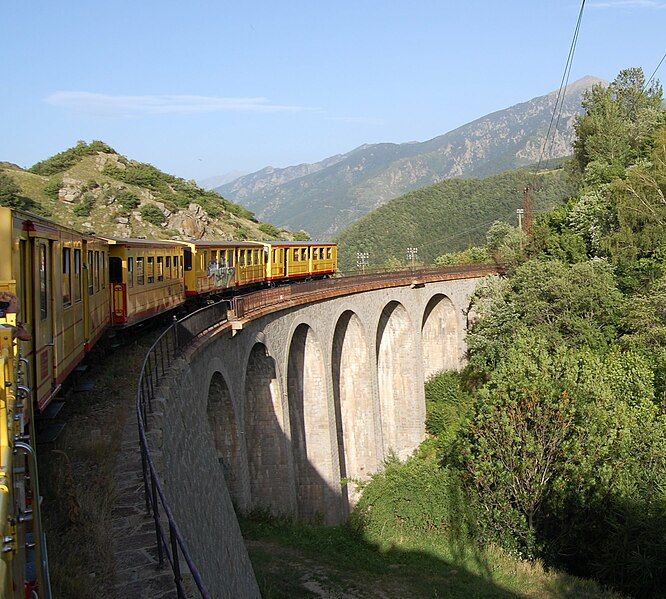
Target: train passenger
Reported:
point(9, 304)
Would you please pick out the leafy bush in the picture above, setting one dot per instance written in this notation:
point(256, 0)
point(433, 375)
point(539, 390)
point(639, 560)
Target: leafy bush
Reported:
point(63, 160)
point(85, 205)
point(417, 495)
point(152, 214)
point(10, 195)
point(269, 229)
point(447, 405)
point(301, 236)
point(127, 200)
point(52, 188)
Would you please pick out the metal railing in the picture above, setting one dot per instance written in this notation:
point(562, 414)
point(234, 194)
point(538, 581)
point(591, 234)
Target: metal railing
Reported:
point(162, 354)
point(242, 305)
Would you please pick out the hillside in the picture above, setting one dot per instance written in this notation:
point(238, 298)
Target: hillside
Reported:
point(326, 196)
point(91, 187)
point(447, 216)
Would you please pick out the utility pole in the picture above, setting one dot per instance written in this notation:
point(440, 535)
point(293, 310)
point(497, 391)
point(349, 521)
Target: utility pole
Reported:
point(520, 212)
point(412, 253)
point(362, 260)
point(527, 209)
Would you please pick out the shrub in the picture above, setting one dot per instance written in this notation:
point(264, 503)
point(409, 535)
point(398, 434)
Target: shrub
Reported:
point(152, 214)
point(269, 229)
point(418, 495)
point(62, 161)
point(52, 188)
point(127, 200)
point(447, 405)
point(301, 236)
point(85, 205)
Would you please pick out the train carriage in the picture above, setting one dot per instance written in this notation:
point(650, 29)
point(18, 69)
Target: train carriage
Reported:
point(48, 268)
point(298, 259)
point(147, 278)
point(215, 266)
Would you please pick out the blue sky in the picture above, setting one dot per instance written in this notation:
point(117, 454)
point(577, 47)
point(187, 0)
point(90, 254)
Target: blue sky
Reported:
point(200, 88)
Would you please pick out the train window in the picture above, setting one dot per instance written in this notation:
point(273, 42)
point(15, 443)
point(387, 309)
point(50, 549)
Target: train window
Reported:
point(187, 259)
point(96, 271)
point(256, 257)
point(76, 284)
point(91, 289)
point(241, 258)
point(296, 255)
point(304, 254)
point(150, 269)
point(103, 276)
point(66, 277)
point(167, 267)
point(160, 268)
point(213, 255)
point(176, 272)
point(115, 270)
point(139, 271)
point(43, 277)
point(130, 271)
point(230, 258)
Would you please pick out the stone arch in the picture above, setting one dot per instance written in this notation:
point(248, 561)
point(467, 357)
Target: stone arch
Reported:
point(222, 424)
point(353, 399)
point(310, 422)
point(396, 368)
point(440, 336)
point(266, 443)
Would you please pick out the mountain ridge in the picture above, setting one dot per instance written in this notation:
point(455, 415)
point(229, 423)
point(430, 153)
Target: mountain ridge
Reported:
point(326, 196)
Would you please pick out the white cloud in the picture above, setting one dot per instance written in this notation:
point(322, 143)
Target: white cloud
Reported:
point(112, 105)
point(629, 4)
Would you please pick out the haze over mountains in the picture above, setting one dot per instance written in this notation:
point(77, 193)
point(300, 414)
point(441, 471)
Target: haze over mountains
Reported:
point(326, 196)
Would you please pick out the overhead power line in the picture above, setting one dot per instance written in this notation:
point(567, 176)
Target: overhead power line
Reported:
point(561, 92)
point(654, 72)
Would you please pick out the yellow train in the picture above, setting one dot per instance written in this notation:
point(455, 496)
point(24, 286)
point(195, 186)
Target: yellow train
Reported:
point(71, 287)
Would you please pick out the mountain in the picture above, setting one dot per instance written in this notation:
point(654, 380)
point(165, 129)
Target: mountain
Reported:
point(326, 196)
point(91, 187)
point(218, 180)
point(448, 216)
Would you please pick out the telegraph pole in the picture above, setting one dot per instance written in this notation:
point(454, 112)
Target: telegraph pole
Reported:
point(520, 212)
point(362, 261)
point(412, 253)
point(527, 210)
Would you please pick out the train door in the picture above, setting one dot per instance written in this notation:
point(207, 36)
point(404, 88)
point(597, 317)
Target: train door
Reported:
point(43, 320)
point(285, 256)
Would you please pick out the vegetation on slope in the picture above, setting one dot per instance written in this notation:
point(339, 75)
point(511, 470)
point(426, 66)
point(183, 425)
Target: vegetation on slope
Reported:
point(92, 187)
point(445, 217)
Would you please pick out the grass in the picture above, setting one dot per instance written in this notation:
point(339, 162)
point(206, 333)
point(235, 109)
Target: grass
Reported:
point(77, 474)
point(299, 561)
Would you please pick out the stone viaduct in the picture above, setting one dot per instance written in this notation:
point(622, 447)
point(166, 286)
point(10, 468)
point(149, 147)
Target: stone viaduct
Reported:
point(283, 411)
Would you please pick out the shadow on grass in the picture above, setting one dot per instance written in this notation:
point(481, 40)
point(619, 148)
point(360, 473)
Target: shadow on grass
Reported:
point(298, 560)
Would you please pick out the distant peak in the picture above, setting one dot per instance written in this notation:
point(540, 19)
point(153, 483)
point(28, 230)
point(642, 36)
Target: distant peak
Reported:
point(582, 84)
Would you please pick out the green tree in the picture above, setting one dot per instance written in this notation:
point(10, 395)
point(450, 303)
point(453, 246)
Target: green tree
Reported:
point(10, 192)
point(617, 126)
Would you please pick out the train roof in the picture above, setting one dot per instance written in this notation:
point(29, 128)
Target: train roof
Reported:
point(281, 243)
point(136, 241)
point(227, 243)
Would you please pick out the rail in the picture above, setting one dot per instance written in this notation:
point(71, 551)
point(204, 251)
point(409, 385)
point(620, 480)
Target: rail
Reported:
point(181, 333)
point(166, 349)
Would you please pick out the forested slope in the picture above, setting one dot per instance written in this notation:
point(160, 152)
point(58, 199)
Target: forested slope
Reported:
point(448, 216)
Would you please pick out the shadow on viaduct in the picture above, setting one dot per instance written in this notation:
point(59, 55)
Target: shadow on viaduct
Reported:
point(277, 415)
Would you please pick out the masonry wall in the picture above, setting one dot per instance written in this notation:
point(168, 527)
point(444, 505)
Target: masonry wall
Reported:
point(318, 393)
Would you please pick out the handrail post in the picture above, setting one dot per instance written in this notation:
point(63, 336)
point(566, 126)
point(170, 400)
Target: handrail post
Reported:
point(178, 579)
point(156, 518)
point(144, 472)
